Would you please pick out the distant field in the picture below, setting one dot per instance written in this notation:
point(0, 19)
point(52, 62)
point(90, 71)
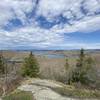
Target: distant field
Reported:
point(51, 62)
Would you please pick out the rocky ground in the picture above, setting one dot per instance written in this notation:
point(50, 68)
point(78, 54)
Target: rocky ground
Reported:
point(42, 89)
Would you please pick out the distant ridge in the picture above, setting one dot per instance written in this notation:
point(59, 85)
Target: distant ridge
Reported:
point(49, 50)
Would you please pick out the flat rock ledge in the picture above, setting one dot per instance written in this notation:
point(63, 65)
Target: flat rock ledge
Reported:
point(42, 89)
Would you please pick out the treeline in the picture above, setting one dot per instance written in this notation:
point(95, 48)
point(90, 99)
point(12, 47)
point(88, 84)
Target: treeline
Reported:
point(83, 72)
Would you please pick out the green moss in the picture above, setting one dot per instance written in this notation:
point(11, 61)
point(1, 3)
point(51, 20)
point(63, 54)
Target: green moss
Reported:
point(19, 95)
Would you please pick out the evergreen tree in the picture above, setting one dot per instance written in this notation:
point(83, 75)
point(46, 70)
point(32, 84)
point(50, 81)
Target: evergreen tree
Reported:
point(2, 66)
point(84, 72)
point(90, 71)
point(31, 67)
point(66, 65)
point(78, 72)
point(67, 70)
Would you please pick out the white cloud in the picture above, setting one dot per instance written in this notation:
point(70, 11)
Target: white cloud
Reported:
point(92, 6)
point(11, 9)
point(82, 15)
point(71, 9)
point(51, 8)
point(78, 45)
point(29, 36)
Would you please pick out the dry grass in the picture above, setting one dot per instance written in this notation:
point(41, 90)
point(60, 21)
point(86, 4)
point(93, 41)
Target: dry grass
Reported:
point(19, 95)
point(71, 91)
point(52, 68)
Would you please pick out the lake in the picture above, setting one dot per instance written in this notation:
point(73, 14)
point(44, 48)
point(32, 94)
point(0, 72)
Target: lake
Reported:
point(49, 55)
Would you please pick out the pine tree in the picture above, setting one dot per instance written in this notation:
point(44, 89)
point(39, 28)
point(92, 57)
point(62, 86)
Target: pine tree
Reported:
point(84, 71)
point(31, 67)
point(2, 66)
point(78, 73)
point(67, 70)
point(66, 65)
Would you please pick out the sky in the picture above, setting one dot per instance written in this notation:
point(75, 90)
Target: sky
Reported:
point(49, 24)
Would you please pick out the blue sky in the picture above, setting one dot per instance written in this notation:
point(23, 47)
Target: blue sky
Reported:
point(50, 24)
